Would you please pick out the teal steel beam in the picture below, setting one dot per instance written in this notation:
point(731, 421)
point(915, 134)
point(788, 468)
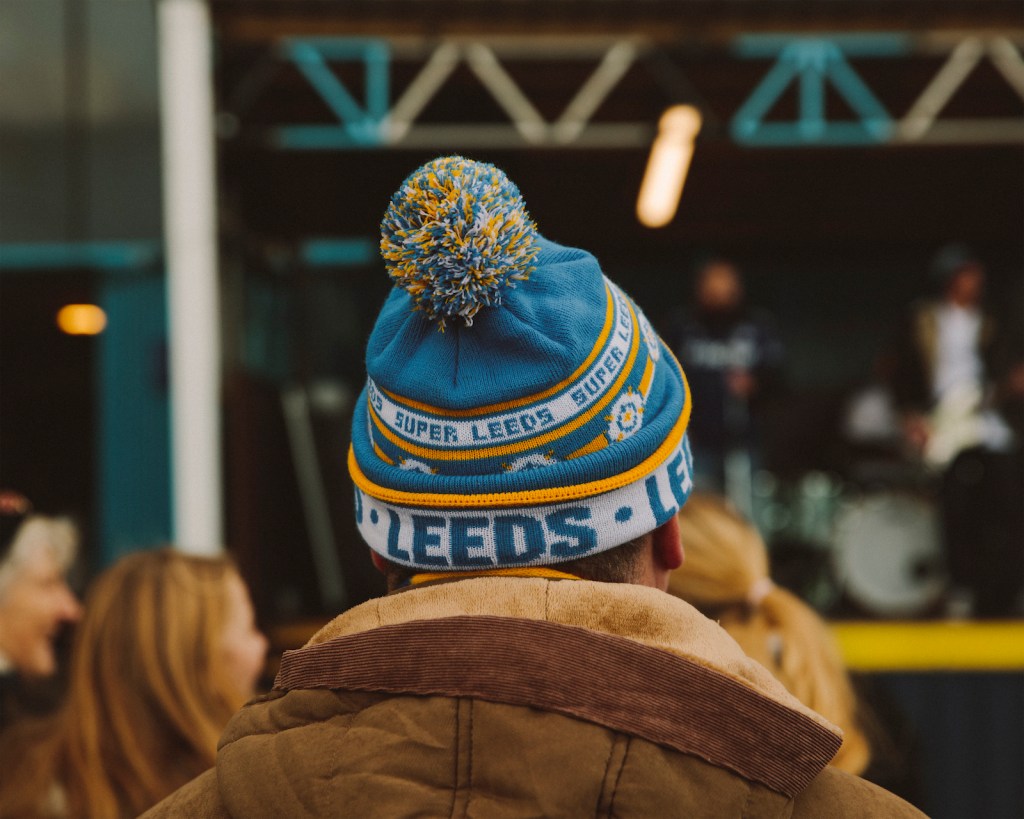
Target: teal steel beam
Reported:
point(812, 91)
point(343, 252)
point(755, 46)
point(319, 137)
point(749, 117)
point(814, 62)
point(359, 125)
point(789, 135)
point(133, 420)
point(331, 90)
point(128, 256)
point(873, 114)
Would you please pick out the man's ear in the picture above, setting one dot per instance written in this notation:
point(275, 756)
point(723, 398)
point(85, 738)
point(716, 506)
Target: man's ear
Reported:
point(379, 562)
point(668, 547)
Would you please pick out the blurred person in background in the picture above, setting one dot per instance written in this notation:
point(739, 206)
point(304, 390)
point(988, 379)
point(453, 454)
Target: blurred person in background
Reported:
point(947, 386)
point(945, 362)
point(519, 455)
point(36, 552)
point(727, 577)
point(166, 652)
point(732, 356)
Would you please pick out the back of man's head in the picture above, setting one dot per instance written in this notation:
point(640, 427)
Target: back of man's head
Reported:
point(958, 273)
point(520, 411)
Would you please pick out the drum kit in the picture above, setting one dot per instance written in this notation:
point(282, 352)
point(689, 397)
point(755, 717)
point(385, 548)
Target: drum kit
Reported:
point(871, 547)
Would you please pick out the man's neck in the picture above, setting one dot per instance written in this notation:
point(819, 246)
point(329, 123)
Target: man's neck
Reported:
point(425, 578)
point(960, 303)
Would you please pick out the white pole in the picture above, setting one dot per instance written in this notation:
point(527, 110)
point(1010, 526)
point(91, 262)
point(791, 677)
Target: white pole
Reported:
point(190, 239)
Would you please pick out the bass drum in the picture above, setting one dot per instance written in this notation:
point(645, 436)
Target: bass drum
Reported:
point(888, 555)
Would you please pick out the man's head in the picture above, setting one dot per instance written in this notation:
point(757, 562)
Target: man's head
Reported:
point(960, 275)
point(718, 286)
point(35, 600)
point(520, 410)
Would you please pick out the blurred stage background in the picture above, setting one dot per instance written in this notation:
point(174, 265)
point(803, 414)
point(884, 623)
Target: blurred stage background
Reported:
point(843, 143)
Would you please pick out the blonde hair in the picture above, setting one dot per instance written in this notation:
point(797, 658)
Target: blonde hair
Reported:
point(148, 693)
point(726, 574)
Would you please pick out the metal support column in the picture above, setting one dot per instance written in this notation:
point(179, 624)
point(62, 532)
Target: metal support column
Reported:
point(189, 196)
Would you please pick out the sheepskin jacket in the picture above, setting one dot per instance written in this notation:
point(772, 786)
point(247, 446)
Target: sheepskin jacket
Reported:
point(526, 697)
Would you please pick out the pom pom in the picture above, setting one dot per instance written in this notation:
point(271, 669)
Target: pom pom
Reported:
point(455, 236)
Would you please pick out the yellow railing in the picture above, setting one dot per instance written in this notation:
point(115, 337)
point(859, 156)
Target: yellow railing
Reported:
point(932, 646)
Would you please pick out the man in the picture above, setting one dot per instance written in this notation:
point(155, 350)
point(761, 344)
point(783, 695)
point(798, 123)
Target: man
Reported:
point(733, 358)
point(35, 601)
point(944, 364)
point(519, 455)
point(945, 385)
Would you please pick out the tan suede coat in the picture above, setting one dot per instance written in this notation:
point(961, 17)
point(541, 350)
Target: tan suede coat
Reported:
point(526, 697)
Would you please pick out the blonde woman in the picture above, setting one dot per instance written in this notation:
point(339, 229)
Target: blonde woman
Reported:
point(726, 576)
point(167, 650)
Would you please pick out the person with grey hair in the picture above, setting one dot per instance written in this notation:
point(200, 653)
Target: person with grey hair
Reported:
point(36, 552)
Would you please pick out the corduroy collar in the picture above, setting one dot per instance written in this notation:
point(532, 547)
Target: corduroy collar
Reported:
point(654, 667)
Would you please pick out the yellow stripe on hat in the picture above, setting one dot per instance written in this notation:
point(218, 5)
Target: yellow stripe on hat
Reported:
point(383, 455)
point(530, 443)
point(648, 378)
point(529, 497)
point(599, 443)
point(530, 399)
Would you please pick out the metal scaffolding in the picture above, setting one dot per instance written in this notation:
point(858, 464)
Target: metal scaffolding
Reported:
point(816, 65)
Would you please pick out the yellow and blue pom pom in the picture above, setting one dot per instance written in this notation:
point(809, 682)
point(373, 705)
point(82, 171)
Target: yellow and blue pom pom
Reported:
point(455, 236)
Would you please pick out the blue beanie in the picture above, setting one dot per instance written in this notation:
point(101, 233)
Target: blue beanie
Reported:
point(519, 408)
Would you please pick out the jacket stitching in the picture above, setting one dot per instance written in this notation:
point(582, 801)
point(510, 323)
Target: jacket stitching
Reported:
point(469, 767)
point(455, 759)
point(604, 779)
point(618, 778)
point(746, 802)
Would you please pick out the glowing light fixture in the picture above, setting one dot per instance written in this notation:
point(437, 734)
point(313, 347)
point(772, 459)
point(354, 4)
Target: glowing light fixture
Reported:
point(81, 319)
point(667, 166)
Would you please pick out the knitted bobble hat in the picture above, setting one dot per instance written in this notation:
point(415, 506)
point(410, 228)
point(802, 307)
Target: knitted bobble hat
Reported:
point(519, 408)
